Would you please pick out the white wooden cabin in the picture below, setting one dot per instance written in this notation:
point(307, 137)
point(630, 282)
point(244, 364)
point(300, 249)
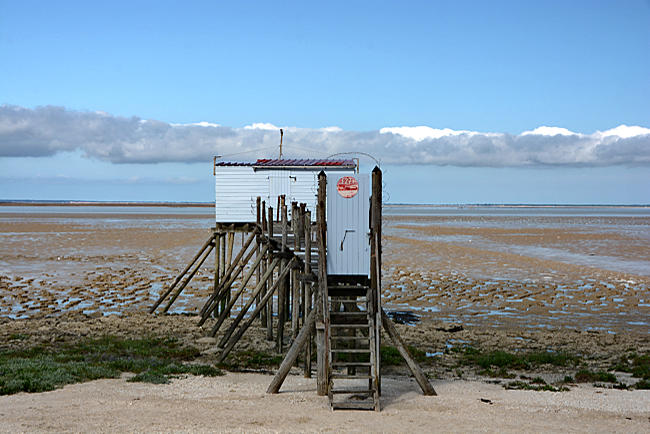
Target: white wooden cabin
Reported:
point(238, 184)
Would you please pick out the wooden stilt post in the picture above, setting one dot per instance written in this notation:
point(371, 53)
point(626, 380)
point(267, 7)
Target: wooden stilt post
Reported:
point(180, 276)
point(231, 243)
point(224, 290)
point(217, 250)
point(375, 270)
point(295, 296)
point(322, 321)
point(268, 283)
point(262, 269)
point(222, 255)
point(233, 340)
point(419, 375)
point(239, 292)
point(226, 281)
point(258, 223)
point(244, 310)
point(187, 280)
point(292, 354)
point(282, 294)
point(307, 301)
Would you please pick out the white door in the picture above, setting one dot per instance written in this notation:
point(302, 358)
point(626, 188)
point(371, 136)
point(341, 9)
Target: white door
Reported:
point(348, 226)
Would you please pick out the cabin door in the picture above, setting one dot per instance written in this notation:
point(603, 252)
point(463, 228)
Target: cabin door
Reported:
point(348, 228)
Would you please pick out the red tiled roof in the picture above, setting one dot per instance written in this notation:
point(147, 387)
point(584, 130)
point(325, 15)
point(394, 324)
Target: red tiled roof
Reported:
point(267, 162)
point(277, 163)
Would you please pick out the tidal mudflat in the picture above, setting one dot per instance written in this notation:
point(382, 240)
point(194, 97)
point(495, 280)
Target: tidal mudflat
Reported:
point(563, 280)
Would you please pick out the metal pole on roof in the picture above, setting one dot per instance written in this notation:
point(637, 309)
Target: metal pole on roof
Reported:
point(281, 134)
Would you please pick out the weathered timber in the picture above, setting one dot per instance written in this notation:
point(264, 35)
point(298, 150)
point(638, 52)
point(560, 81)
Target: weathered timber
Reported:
point(239, 292)
point(292, 354)
point(307, 271)
point(222, 294)
point(322, 322)
point(269, 282)
point(189, 278)
point(235, 338)
point(419, 375)
point(180, 276)
point(226, 281)
point(243, 311)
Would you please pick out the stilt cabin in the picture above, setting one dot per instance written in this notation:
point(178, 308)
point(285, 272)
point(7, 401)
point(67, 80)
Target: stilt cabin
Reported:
point(238, 184)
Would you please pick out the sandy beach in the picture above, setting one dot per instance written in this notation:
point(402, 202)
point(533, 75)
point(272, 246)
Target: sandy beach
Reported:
point(237, 403)
point(517, 283)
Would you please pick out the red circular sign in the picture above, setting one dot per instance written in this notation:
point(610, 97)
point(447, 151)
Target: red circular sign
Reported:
point(347, 186)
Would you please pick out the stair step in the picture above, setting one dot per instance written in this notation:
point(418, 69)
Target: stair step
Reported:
point(352, 391)
point(344, 364)
point(346, 405)
point(350, 326)
point(350, 338)
point(356, 350)
point(350, 377)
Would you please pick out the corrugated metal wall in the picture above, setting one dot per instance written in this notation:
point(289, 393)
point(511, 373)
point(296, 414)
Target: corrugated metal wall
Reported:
point(237, 189)
point(348, 228)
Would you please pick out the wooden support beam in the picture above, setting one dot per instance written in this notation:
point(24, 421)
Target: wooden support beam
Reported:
point(419, 375)
point(375, 267)
point(292, 354)
point(241, 314)
point(269, 282)
point(226, 280)
point(180, 276)
point(235, 338)
point(307, 271)
point(282, 294)
point(187, 280)
point(262, 268)
point(322, 321)
point(214, 301)
point(239, 292)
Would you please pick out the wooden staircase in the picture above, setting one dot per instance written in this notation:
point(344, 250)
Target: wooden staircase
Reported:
point(353, 349)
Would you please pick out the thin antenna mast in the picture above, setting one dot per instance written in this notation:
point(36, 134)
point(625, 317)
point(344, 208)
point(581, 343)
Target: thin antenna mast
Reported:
point(281, 134)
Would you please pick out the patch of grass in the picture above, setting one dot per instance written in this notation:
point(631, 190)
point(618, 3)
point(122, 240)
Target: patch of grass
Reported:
point(538, 380)
point(568, 379)
point(586, 376)
point(43, 368)
point(17, 337)
point(252, 359)
point(503, 359)
point(390, 356)
point(162, 374)
point(501, 373)
point(44, 373)
point(637, 365)
point(642, 385)
point(521, 385)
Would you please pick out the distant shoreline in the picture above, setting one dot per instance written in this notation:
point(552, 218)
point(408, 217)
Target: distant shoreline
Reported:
point(125, 204)
point(81, 203)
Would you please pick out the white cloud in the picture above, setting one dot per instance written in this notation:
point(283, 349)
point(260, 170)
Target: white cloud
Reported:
point(624, 132)
point(423, 132)
point(261, 126)
point(46, 131)
point(549, 131)
point(194, 124)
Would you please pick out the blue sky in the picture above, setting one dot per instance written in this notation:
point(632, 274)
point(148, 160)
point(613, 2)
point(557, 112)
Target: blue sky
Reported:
point(485, 68)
